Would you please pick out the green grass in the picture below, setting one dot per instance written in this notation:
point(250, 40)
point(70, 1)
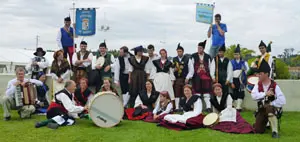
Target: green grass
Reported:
point(131, 131)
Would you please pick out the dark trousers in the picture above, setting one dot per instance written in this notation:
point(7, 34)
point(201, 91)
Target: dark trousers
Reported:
point(238, 91)
point(124, 83)
point(262, 118)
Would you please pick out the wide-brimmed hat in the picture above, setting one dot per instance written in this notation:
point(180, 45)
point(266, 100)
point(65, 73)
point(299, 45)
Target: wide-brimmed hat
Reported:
point(39, 49)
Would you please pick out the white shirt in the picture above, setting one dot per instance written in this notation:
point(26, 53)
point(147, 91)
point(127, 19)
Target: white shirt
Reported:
point(213, 69)
point(42, 65)
point(138, 100)
point(158, 107)
point(58, 39)
point(68, 103)
point(64, 76)
point(228, 102)
point(151, 65)
point(190, 68)
point(154, 72)
point(117, 68)
point(231, 69)
point(147, 67)
point(11, 88)
point(85, 64)
point(201, 58)
point(278, 102)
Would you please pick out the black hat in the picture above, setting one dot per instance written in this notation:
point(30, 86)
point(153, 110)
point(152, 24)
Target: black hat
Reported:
point(67, 19)
point(237, 49)
point(83, 42)
point(222, 48)
point(179, 47)
point(202, 43)
point(262, 44)
point(139, 49)
point(269, 49)
point(264, 67)
point(39, 49)
point(103, 44)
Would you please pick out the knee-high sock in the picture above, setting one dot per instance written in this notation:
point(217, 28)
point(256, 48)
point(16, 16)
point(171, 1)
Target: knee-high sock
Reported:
point(125, 99)
point(239, 104)
point(45, 122)
point(274, 123)
point(206, 100)
point(177, 103)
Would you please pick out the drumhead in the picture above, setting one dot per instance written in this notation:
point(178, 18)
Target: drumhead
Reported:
point(253, 80)
point(210, 119)
point(106, 109)
point(100, 61)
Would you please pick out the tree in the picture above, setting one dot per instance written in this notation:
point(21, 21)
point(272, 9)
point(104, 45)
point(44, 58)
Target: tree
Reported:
point(246, 53)
point(114, 52)
point(292, 50)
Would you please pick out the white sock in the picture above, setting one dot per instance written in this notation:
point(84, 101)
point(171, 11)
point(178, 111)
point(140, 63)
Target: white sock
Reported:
point(274, 123)
point(125, 99)
point(177, 103)
point(239, 104)
point(206, 100)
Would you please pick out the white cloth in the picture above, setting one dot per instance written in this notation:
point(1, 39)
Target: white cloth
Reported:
point(278, 102)
point(69, 104)
point(139, 102)
point(166, 111)
point(117, 68)
point(42, 65)
point(231, 69)
point(186, 115)
point(213, 69)
point(163, 81)
point(228, 115)
point(59, 86)
point(147, 66)
point(84, 64)
point(11, 88)
point(151, 59)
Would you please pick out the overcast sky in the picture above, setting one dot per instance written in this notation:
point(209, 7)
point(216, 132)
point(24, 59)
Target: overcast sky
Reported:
point(163, 23)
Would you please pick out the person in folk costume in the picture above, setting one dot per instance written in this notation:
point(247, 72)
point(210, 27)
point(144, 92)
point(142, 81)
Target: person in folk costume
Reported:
point(191, 118)
point(162, 74)
point(38, 63)
point(230, 120)
point(108, 86)
point(202, 80)
point(83, 94)
point(138, 73)
point(264, 56)
point(269, 97)
point(8, 101)
point(183, 71)
point(104, 71)
point(63, 110)
point(220, 69)
point(65, 39)
point(60, 71)
point(152, 56)
point(121, 73)
point(82, 62)
point(144, 102)
point(239, 68)
point(43, 98)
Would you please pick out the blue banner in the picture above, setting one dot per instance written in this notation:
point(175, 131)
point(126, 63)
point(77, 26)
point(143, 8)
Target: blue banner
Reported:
point(204, 13)
point(85, 21)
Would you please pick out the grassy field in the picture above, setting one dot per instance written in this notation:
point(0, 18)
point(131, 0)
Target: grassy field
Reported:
point(136, 131)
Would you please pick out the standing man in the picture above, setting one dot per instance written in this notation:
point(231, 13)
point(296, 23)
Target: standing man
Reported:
point(220, 70)
point(121, 73)
point(183, 72)
point(104, 70)
point(82, 62)
point(65, 39)
point(201, 80)
point(38, 63)
point(152, 56)
point(217, 31)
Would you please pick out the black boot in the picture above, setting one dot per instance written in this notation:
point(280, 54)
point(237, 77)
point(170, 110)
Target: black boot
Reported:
point(7, 118)
point(275, 135)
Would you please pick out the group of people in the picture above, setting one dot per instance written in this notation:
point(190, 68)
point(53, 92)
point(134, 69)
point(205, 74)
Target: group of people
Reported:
point(155, 88)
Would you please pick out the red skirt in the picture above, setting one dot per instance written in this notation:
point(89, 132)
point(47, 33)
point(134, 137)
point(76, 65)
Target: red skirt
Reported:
point(129, 112)
point(150, 118)
point(191, 123)
point(241, 126)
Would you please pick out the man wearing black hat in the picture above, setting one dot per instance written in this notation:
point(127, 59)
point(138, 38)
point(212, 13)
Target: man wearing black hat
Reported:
point(121, 72)
point(37, 64)
point(264, 56)
point(65, 39)
point(239, 68)
point(82, 62)
point(104, 70)
point(183, 72)
point(220, 69)
point(270, 98)
point(201, 80)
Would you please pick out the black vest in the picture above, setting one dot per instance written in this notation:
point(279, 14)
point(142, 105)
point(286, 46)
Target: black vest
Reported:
point(222, 69)
point(82, 98)
point(149, 101)
point(65, 92)
point(219, 106)
point(188, 106)
point(184, 63)
point(162, 68)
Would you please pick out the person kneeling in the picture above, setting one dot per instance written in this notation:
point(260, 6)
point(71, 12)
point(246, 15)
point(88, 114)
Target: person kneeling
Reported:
point(63, 110)
point(43, 99)
point(230, 120)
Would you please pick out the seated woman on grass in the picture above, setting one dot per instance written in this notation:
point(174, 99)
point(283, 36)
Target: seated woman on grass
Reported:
point(83, 94)
point(107, 86)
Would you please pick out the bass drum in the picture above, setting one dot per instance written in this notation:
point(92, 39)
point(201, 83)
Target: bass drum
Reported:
point(106, 109)
point(251, 82)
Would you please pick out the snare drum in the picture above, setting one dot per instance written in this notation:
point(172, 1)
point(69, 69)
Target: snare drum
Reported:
point(106, 109)
point(211, 119)
point(251, 82)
